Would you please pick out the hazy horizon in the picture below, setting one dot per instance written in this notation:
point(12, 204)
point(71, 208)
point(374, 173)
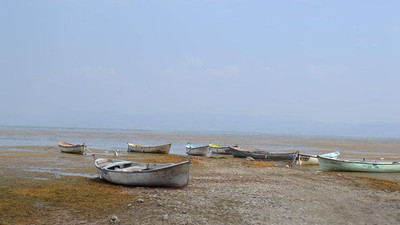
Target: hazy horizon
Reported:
point(287, 67)
point(219, 123)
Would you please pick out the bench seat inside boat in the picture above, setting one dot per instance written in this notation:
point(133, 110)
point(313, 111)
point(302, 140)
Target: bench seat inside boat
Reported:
point(121, 164)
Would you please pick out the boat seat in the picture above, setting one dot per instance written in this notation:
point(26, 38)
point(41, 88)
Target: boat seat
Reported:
point(132, 169)
point(119, 164)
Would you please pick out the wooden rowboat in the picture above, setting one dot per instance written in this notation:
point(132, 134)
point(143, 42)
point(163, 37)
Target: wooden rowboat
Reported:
point(244, 153)
point(199, 151)
point(70, 148)
point(162, 149)
point(220, 149)
point(143, 174)
point(263, 155)
point(307, 159)
point(329, 164)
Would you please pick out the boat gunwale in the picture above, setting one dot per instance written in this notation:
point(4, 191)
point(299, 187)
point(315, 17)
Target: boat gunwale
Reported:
point(315, 156)
point(200, 147)
point(141, 171)
point(388, 163)
point(69, 145)
point(264, 151)
point(143, 146)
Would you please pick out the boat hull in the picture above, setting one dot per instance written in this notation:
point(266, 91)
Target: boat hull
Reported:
point(172, 175)
point(241, 153)
point(263, 155)
point(221, 150)
point(328, 164)
point(70, 148)
point(199, 151)
point(161, 149)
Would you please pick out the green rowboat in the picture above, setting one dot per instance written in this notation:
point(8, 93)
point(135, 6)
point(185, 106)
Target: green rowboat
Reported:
point(330, 164)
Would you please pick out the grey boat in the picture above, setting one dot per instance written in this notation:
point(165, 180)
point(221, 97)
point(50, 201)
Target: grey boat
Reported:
point(143, 174)
point(263, 155)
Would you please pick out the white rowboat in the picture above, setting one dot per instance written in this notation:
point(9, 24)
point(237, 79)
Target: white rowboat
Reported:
point(162, 149)
point(199, 151)
point(143, 174)
point(70, 148)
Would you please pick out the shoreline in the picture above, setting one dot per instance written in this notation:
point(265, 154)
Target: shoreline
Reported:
point(220, 191)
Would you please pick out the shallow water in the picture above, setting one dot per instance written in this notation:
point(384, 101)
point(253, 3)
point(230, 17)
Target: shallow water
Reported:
point(117, 139)
point(16, 139)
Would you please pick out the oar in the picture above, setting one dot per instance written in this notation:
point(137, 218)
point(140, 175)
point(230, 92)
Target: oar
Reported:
point(294, 160)
point(86, 148)
point(49, 148)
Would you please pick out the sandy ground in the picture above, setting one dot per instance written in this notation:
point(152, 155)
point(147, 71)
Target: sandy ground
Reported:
point(40, 185)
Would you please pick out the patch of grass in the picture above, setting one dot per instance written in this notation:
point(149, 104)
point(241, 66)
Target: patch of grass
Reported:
point(259, 164)
point(92, 198)
point(196, 161)
point(378, 184)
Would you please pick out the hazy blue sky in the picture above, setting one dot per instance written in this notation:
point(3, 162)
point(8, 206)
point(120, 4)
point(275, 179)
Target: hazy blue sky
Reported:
point(136, 64)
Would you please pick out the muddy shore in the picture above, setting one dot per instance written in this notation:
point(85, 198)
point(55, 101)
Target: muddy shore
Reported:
point(40, 185)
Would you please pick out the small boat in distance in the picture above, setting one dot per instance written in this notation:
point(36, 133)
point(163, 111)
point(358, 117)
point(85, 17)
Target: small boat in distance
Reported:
point(198, 151)
point(307, 159)
point(161, 149)
point(329, 164)
point(71, 148)
point(244, 153)
point(220, 149)
point(263, 155)
point(143, 174)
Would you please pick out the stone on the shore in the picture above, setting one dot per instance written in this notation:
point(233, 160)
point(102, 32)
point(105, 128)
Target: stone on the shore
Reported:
point(114, 219)
point(248, 158)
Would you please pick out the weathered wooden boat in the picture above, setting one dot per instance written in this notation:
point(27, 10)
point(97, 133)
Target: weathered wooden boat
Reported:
point(329, 164)
point(71, 148)
point(307, 159)
point(244, 153)
point(263, 155)
point(199, 151)
point(161, 149)
point(220, 149)
point(143, 174)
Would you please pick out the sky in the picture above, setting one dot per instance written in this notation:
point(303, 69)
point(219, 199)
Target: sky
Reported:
point(287, 66)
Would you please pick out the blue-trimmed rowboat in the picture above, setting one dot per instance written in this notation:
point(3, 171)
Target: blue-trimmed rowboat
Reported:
point(199, 151)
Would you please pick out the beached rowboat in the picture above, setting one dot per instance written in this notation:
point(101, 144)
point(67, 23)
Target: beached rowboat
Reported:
point(143, 174)
point(220, 149)
point(70, 148)
point(329, 164)
point(307, 159)
point(263, 155)
point(199, 151)
point(162, 149)
point(243, 153)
